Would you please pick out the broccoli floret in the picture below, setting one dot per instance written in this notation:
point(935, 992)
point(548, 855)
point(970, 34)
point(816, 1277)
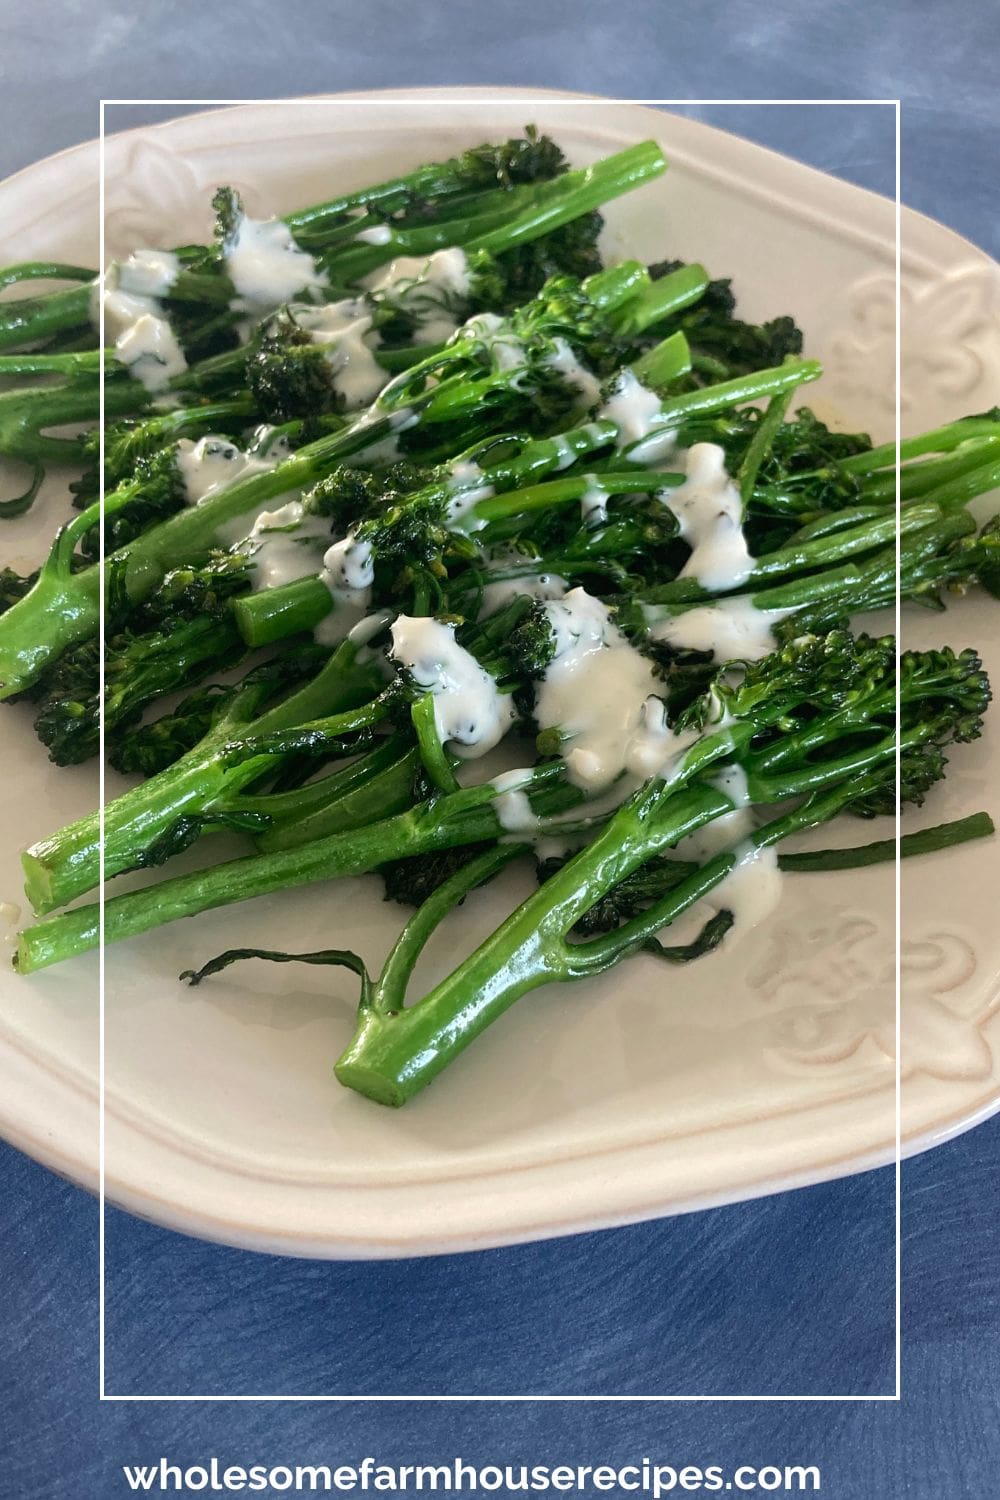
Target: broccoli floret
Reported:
point(227, 205)
point(569, 251)
point(528, 158)
point(350, 495)
point(193, 591)
point(152, 747)
point(289, 374)
point(983, 552)
point(183, 632)
point(522, 160)
point(14, 586)
point(563, 310)
point(722, 345)
point(531, 646)
point(411, 531)
point(410, 881)
point(156, 490)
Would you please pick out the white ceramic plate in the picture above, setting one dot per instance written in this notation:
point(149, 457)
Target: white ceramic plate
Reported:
point(768, 1065)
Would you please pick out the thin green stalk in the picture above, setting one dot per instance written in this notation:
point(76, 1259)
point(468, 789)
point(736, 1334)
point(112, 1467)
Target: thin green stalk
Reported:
point(926, 841)
point(32, 319)
point(667, 362)
point(66, 865)
point(739, 392)
point(357, 801)
point(394, 1054)
point(466, 817)
point(662, 299)
point(760, 445)
point(388, 993)
point(926, 476)
point(524, 214)
point(563, 491)
point(936, 440)
point(43, 270)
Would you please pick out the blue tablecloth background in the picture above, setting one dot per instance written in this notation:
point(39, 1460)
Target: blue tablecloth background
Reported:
point(793, 1293)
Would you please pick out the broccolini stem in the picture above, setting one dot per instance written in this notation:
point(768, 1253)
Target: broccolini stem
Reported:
point(40, 627)
point(661, 299)
point(26, 414)
point(274, 614)
point(394, 1054)
point(438, 181)
point(817, 552)
point(32, 319)
point(739, 392)
point(959, 491)
point(83, 362)
point(388, 993)
point(67, 864)
point(522, 215)
point(43, 270)
point(600, 953)
point(665, 363)
point(760, 445)
point(925, 477)
point(879, 851)
point(357, 796)
point(466, 817)
point(936, 440)
point(869, 584)
point(563, 491)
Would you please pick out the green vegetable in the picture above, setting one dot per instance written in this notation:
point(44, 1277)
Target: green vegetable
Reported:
point(527, 483)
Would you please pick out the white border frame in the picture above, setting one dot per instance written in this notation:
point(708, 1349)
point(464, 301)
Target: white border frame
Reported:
point(104, 1395)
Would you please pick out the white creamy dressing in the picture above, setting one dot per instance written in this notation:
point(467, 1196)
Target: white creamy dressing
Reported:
point(345, 330)
point(732, 629)
point(213, 464)
point(511, 803)
point(149, 273)
point(752, 888)
point(384, 449)
point(140, 331)
point(597, 690)
point(367, 628)
point(709, 512)
point(575, 374)
point(528, 585)
point(348, 565)
point(470, 713)
point(285, 545)
point(378, 234)
point(637, 413)
point(427, 287)
point(348, 572)
point(466, 492)
point(594, 503)
point(493, 332)
point(267, 267)
point(565, 452)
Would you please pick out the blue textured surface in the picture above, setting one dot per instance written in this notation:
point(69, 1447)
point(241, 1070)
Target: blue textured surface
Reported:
point(793, 1293)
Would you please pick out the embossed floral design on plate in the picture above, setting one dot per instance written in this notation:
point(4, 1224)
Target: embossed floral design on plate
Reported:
point(946, 325)
point(153, 196)
point(832, 986)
